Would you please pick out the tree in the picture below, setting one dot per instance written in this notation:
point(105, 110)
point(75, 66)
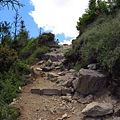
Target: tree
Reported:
point(117, 3)
point(22, 38)
point(5, 34)
point(102, 7)
point(92, 5)
point(10, 3)
point(16, 24)
point(7, 57)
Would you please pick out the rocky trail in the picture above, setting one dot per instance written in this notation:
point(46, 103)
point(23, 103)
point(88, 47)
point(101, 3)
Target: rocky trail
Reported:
point(49, 74)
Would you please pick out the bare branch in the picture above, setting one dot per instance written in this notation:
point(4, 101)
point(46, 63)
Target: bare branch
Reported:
point(10, 3)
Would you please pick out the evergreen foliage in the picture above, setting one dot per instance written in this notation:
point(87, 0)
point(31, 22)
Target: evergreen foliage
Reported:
point(99, 41)
point(17, 52)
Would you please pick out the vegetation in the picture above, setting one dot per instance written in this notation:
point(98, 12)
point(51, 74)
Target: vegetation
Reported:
point(99, 40)
point(17, 52)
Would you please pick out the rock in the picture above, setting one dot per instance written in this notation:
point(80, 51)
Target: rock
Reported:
point(92, 118)
point(52, 110)
point(68, 83)
point(52, 75)
point(48, 63)
point(116, 118)
point(89, 82)
point(61, 109)
point(53, 56)
point(96, 109)
point(47, 69)
point(61, 73)
point(85, 100)
point(93, 66)
point(58, 67)
point(72, 70)
point(20, 88)
point(65, 116)
point(75, 83)
point(67, 98)
point(40, 62)
point(77, 96)
point(57, 63)
point(53, 79)
point(38, 69)
point(117, 111)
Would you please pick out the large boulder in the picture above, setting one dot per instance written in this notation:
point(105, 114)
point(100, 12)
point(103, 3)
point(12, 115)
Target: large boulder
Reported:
point(53, 56)
point(89, 82)
point(96, 109)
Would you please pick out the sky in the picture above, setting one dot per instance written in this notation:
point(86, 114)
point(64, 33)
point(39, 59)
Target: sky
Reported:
point(57, 16)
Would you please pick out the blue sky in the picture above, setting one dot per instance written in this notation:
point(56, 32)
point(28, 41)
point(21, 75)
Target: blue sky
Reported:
point(58, 16)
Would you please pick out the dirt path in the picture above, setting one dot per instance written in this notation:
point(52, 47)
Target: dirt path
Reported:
point(43, 107)
point(36, 107)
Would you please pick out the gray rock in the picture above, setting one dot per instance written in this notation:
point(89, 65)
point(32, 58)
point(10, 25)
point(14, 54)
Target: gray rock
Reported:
point(116, 118)
point(117, 111)
point(96, 109)
point(93, 66)
point(40, 62)
point(47, 69)
point(65, 116)
point(69, 82)
point(53, 56)
point(61, 73)
point(85, 100)
point(58, 67)
point(39, 69)
point(90, 81)
point(72, 70)
point(52, 75)
point(67, 98)
point(92, 118)
point(48, 63)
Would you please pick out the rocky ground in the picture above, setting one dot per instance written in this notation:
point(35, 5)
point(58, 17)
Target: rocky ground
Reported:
point(49, 74)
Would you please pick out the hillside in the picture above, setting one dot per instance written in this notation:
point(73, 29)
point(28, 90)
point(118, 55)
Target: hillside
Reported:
point(50, 76)
point(99, 44)
point(41, 80)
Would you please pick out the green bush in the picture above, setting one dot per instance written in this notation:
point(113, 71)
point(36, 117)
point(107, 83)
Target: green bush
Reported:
point(22, 68)
point(38, 53)
point(7, 57)
point(78, 67)
point(9, 91)
point(28, 50)
point(46, 39)
point(100, 43)
point(8, 112)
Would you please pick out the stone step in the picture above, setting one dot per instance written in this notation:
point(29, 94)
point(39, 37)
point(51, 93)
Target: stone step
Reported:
point(51, 92)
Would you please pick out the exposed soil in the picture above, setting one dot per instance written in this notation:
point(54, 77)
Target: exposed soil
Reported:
point(42, 107)
point(36, 107)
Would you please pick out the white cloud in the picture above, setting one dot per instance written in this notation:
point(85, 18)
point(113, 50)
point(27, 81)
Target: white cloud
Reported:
point(60, 16)
point(66, 42)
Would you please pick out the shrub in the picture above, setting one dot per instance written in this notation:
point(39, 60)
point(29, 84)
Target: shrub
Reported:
point(9, 91)
point(28, 50)
point(8, 112)
point(40, 51)
point(21, 67)
point(45, 39)
point(7, 57)
point(99, 43)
